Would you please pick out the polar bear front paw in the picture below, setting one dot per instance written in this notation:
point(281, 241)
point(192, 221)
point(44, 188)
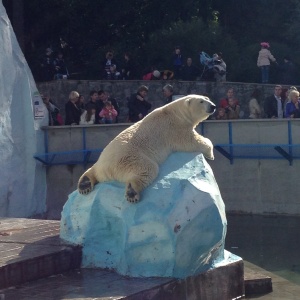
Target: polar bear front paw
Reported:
point(85, 186)
point(131, 195)
point(210, 157)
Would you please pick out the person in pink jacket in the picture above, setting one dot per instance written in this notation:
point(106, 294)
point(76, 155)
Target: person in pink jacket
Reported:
point(108, 113)
point(263, 61)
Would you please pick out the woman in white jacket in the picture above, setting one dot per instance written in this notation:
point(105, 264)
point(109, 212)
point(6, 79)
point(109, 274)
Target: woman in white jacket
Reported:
point(263, 61)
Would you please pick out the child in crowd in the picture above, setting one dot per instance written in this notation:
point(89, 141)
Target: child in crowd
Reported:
point(221, 114)
point(88, 117)
point(108, 114)
point(263, 61)
point(233, 109)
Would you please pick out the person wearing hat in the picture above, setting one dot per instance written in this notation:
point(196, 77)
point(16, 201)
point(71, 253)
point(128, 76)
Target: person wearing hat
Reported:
point(264, 60)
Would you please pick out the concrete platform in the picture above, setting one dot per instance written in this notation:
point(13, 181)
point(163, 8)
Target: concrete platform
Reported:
point(282, 289)
point(31, 251)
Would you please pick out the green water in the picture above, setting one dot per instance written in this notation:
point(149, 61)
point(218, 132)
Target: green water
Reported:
point(272, 243)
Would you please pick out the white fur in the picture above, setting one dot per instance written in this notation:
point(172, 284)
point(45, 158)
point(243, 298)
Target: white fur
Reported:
point(134, 155)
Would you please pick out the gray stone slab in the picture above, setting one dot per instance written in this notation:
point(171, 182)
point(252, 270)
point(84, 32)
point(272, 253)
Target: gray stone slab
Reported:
point(29, 254)
point(31, 249)
point(29, 231)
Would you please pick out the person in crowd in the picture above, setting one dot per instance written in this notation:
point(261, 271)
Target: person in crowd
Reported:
point(113, 73)
point(72, 111)
point(232, 110)
point(254, 108)
point(107, 62)
point(263, 61)
point(273, 105)
point(292, 109)
point(177, 62)
point(88, 117)
point(189, 71)
point(138, 106)
point(154, 75)
point(219, 68)
point(221, 114)
point(61, 71)
point(285, 96)
point(287, 71)
point(95, 104)
point(55, 118)
point(128, 69)
point(47, 66)
point(166, 75)
point(81, 103)
point(168, 92)
point(104, 97)
point(108, 113)
point(224, 102)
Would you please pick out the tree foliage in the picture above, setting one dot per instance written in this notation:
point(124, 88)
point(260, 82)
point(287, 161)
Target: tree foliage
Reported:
point(151, 29)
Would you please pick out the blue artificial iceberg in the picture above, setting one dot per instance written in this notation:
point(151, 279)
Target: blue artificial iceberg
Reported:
point(177, 230)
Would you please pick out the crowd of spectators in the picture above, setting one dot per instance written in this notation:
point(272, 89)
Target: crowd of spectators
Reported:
point(283, 103)
point(53, 66)
point(104, 109)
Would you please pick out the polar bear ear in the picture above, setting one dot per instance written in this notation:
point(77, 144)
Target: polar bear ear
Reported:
point(188, 101)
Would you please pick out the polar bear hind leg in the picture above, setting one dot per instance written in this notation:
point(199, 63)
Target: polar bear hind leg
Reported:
point(86, 182)
point(140, 179)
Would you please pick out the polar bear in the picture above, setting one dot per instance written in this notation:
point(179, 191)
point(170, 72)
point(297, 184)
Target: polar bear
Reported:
point(133, 157)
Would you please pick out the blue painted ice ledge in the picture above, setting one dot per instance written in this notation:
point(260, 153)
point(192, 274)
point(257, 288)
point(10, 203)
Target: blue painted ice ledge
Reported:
point(177, 230)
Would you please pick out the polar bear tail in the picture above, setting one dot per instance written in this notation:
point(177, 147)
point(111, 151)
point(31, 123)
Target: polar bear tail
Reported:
point(86, 182)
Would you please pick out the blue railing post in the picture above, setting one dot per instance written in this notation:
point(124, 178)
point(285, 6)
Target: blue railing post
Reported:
point(290, 141)
point(230, 142)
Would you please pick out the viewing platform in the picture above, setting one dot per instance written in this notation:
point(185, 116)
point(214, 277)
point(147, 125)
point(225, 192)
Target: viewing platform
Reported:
point(233, 144)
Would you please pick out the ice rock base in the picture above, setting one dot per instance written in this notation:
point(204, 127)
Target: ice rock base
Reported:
point(177, 230)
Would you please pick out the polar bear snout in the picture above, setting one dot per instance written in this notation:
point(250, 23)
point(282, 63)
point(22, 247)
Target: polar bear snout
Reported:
point(211, 108)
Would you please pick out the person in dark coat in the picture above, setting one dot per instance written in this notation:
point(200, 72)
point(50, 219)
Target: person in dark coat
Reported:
point(189, 71)
point(287, 71)
point(47, 66)
point(95, 104)
point(273, 105)
point(168, 93)
point(73, 112)
point(128, 68)
point(138, 106)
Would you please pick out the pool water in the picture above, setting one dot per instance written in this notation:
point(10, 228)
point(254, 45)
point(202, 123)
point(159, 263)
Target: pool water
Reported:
point(270, 242)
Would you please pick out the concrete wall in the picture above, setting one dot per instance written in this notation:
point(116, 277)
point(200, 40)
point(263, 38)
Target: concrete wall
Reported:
point(59, 91)
point(258, 186)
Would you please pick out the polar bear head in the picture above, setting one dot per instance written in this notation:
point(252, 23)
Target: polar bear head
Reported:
point(197, 108)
